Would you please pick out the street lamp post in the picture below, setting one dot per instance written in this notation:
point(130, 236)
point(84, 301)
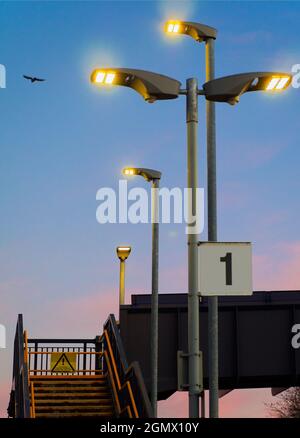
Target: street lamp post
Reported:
point(152, 87)
point(192, 241)
point(203, 33)
point(154, 177)
point(123, 254)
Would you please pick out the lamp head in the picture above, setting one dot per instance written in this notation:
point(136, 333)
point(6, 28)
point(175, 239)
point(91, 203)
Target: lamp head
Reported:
point(151, 86)
point(199, 32)
point(148, 174)
point(230, 88)
point(123, 252)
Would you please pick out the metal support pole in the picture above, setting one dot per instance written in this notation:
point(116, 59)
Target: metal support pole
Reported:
point(213, 358)
point(154, 296)
point(122, 283)
point(203, 404)
point(192, 239)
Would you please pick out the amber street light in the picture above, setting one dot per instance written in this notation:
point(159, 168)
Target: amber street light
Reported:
point(123, 254)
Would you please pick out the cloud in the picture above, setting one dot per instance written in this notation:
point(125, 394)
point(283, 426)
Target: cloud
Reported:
point(4, 398)
point(246, 403)
point(278, 269)
point(71, 317)
point(253, 154)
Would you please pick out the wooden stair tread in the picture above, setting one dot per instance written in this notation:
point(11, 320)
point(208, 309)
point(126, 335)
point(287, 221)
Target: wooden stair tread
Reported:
point(108, 414)
point(72, 408)
point(60, 395)
point(74, 401)
point(70, 383)
point(70, 390)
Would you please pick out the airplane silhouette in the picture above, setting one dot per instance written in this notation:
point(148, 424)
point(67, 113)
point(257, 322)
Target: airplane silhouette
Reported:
point(33, 79)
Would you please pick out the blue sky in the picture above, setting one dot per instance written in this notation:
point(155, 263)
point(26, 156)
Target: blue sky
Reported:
point(63, 139)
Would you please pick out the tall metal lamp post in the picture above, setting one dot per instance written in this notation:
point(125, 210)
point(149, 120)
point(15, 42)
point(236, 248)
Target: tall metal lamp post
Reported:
point(154, 177)
point(203, 33)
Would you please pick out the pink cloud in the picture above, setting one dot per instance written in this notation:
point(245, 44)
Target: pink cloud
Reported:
point(279, 268)
point(246, 403)
point(4, 397)
point(80, 317)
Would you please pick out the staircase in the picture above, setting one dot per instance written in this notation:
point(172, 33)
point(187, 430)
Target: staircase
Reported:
point(69, 396)
point(55, 378)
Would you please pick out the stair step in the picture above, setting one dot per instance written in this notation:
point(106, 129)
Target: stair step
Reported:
point(73, 408)
point(68, 401)
point(61, 395)
point(70, 391)
point(107, 414)
point(52, 378)
point(70, 382)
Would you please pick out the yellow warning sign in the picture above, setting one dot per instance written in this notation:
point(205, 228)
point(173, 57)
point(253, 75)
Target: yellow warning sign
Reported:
point(63, 362)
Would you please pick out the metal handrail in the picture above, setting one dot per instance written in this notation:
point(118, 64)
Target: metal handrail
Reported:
point(32, 407)
point(132, 387)
point(128, 389)
point(114, 376)
point(19, 404)
point(112, 380)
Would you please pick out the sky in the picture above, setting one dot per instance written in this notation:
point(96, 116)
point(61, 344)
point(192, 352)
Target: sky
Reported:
point(63, 139)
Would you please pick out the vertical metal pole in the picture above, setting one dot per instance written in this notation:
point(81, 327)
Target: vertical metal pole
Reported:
point(154, 296)
point(192, 239)
point(203, 404)
point(213, 358)
point(122, 283)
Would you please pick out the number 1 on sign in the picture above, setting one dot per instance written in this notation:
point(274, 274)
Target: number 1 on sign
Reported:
point(227, 259)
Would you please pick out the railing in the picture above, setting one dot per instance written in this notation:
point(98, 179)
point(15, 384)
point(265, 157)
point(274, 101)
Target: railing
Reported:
point(34, 359)
point(87, 354)
point(128, 388)
point(19, 403)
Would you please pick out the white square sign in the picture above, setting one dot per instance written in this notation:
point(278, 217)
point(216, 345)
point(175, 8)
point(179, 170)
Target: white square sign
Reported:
point(225, 268)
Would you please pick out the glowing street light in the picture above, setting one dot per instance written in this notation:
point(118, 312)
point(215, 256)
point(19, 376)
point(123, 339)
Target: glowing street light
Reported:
point(147, 174)
point(154, 177)
point(102, 77)
point(230, 88)
point(123, 254)
point(278, 83)
point(151, 86)
point(200, 32)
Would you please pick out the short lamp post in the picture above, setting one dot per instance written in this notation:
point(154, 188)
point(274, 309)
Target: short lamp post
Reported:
point(123, 254)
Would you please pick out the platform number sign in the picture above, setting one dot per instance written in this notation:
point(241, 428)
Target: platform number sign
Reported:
point(225, 268)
